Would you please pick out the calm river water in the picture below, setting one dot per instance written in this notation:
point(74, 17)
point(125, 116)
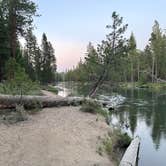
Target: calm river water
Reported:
point(144, 112)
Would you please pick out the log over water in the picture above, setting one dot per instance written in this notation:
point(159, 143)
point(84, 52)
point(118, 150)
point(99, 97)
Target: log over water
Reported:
point(131, 155)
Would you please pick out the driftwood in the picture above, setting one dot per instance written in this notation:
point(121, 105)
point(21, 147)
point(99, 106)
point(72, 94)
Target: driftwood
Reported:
point(131, 155)
point(9, 101)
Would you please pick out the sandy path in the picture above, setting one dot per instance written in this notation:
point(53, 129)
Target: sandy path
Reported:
point(54, 137)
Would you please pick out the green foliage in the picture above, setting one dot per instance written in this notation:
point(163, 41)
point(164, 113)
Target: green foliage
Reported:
point(16, 19)
point(108, 145)
point(16, 116)
point(18, 82)
point(34, 106)
point(100, 150)
point(50, 88)
point(20, 10)
point(4, 44)
point(32, 57)
point(126, 63)
point(123, 140)
point(48, 61)
point(114, 144)
point(93, 107)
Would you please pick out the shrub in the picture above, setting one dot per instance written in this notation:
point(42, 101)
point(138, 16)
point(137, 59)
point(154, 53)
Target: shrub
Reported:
point(93, 107)
point(115, 144)
point(50, 89)
point(108, 145)
point(18, 82)
point(123, 140)
point(16, 116)
point(34, 106)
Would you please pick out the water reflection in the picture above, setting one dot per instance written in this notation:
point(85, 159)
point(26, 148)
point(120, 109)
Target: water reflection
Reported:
point(145, 112)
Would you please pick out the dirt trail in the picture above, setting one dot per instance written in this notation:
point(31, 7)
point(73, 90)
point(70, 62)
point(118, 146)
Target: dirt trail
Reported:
point(54, 137)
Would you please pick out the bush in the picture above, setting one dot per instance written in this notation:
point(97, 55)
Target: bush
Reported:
point(114, 144)
point(18, 82)
point(93, 107)
point(50, 89)
point(34, 106)
point(108, 145)
point(123, 140)
point(16, 116)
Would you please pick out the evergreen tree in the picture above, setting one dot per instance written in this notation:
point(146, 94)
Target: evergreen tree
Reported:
point(111, 50)
point(31, 54)
point(19, 14)
point(132, 55)
point(158, 46)
point(4, 44)
point(93, 64)
point(38, 64)
point(48, 61)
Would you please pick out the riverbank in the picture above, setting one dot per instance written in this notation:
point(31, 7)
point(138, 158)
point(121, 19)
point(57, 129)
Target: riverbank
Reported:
point(56, 136)
point(150, 86)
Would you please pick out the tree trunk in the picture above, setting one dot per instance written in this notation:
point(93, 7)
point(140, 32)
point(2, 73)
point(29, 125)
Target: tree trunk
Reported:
point(156, 71)
point(153, 65)
point(132, 75)
point(98, 84)
point(138, 70)
point(30, 102)
point(12, 28)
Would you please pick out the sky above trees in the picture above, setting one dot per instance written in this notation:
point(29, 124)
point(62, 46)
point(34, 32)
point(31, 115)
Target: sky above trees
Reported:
point(70, 25)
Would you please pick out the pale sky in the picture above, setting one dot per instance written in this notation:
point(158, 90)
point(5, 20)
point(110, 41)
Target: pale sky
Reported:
point(71, 24)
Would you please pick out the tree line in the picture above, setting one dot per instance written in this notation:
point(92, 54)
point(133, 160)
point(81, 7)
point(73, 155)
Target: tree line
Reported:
point(118, 59)
point(37, 62)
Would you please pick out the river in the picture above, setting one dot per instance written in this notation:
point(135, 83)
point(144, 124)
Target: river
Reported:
point(144, 114)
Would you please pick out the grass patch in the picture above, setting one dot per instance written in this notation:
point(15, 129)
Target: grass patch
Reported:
point(14, 116)
point(12, 88)
point(156, 86)
point(114, 145)
point(92, 106)
point(151, 86)
point(50, 88)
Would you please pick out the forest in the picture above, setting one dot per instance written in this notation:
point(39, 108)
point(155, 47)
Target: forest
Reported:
point(128, 63)
point(116, 54)
point(27, 62)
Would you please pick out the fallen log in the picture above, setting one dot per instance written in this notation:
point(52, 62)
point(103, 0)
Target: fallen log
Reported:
point(30, 102)
point(131, 155)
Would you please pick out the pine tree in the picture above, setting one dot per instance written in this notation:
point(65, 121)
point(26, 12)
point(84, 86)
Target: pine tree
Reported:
point(132, 55)
point(111, 49)
point(19, 14)
point(92, 63)
point(31, 54)
point(156, 48)
point(48, 61)
point(38, 64)
point(4, 44)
